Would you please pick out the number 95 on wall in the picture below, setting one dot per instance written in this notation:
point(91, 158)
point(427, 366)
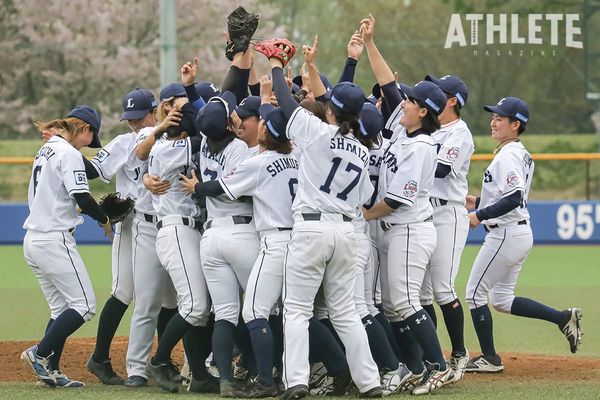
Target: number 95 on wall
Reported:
point(577, 222)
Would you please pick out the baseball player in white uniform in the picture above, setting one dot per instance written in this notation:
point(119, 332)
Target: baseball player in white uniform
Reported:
point(454, 148)
point(117, 159)
point(502, 209)
point(230, 243)
point(333, 182)
point(247, 110)
point(409, 238)
point(177, 249)
point(58, 185)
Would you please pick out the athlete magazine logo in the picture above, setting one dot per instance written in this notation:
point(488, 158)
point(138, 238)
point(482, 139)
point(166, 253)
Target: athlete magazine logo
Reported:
point(547, 32)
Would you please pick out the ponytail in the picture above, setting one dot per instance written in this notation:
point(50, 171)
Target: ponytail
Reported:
point(348, 123)
point(60, 124)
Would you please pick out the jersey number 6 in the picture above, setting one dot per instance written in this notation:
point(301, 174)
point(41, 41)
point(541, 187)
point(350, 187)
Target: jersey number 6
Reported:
point(326, 187)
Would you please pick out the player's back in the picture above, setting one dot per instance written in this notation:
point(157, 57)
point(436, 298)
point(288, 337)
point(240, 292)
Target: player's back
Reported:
point(168, 159)
point(58, 173)
point(333, 175)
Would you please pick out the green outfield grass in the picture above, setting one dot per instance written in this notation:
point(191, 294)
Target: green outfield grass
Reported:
point(561, 276)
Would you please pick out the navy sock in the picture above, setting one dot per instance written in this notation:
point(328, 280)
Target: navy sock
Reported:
point(387, 328)
point(412, 355)
point(455, 324)
point(431, 311)
point(529, 308)
point(174, 332)
point(62, 327)
point(222, 345)
point(325, 348)
point(262, 344)
point(380, 347)
point(329, 325)
point(54, 359)
point(423, 330)
point(164, 316)
point(109, 321)
point(276, 325)
point(242, 339)
point(195, 345)
point(484, 327)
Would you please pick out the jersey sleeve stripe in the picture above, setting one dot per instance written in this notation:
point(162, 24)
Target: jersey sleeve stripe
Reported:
point(226, 189)
point(102, 177)
point(516, 189)
point(399, 198)
point(291, 121)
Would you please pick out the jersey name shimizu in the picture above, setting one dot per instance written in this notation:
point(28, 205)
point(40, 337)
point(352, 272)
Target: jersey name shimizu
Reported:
point(340, 143)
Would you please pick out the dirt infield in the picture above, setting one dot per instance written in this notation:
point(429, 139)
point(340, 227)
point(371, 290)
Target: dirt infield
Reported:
point(518, 367)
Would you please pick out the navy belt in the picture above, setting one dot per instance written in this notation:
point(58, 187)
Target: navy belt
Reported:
point(284, 229)
point(185, 221)
point(237, 220)
point(317, 217)
point(490, 227)
point(387, 226)
point(437, 202)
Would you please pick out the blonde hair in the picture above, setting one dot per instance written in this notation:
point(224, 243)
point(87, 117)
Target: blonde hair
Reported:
point(161, 113)
point(73, 126)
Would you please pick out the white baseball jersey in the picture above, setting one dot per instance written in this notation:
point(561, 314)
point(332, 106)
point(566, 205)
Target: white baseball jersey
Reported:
point(511, 170)
point(168, 159)
point(334, 174)
point(217, 166)
point(454, 146)
point(143, 203)
point(375, 161)
point(254, 151)
point(407, 176)
point(118, 158)
point(393, 123)
point(271, 178)
point(58, 173)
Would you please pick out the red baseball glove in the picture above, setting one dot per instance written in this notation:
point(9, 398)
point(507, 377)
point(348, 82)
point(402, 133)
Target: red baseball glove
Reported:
point(281, 49)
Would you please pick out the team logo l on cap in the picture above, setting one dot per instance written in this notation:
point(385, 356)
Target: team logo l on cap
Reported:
point(511, 107)
point(137, 103)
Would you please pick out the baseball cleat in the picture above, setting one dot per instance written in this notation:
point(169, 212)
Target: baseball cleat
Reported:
point(318, 373)
point(63, 380)
point(256, 390)
point(295, 392)
point(376, 392)
point(174, 372)
point(412, 381)
point(136, 381)
point(162, 376)
point(39, 365)
point(392, 381)
point(230, 390)
point(435, 379)
point(572, 328)
point(208, 385)
point(333, 386)
point(485, 364)
point(458, 363)
point(103, 370)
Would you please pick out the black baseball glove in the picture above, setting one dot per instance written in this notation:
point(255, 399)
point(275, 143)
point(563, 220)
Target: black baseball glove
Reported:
point(241, 25)
point(115, 207)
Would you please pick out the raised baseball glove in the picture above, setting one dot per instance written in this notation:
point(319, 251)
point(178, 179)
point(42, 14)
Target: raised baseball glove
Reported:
point(241, 25)
point(277, 48)
point(115, 207)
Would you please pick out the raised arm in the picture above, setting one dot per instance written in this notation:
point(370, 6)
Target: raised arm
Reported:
point(188, 77)
point(355, 49)
point(310, 57)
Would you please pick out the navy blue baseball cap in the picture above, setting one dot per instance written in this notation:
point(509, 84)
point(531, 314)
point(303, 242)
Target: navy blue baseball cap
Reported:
point(453, 86)
point(427, 92)
point(248, 107)
point(89, 115)
point(174, 89)
point(347, 96)
point(511, 107)
point(137, 103)
point(275, 121)
point(206, 90)
point(213, 118)
point(298, 81)
point(370, 121)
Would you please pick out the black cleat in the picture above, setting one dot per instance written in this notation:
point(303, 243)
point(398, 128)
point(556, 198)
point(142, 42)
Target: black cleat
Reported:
point(104, 371)
point(295, 392)
point(208, 385)
point(161, 375)
point(377, 391)
point(136, 381)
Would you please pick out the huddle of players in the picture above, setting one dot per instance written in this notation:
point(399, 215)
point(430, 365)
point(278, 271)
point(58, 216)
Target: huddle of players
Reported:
point(302, 256)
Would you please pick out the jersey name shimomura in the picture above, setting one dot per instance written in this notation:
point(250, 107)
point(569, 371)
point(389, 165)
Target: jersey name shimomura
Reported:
point(282, 164)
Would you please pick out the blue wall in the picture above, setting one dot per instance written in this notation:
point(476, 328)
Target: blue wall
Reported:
point(556, 222)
